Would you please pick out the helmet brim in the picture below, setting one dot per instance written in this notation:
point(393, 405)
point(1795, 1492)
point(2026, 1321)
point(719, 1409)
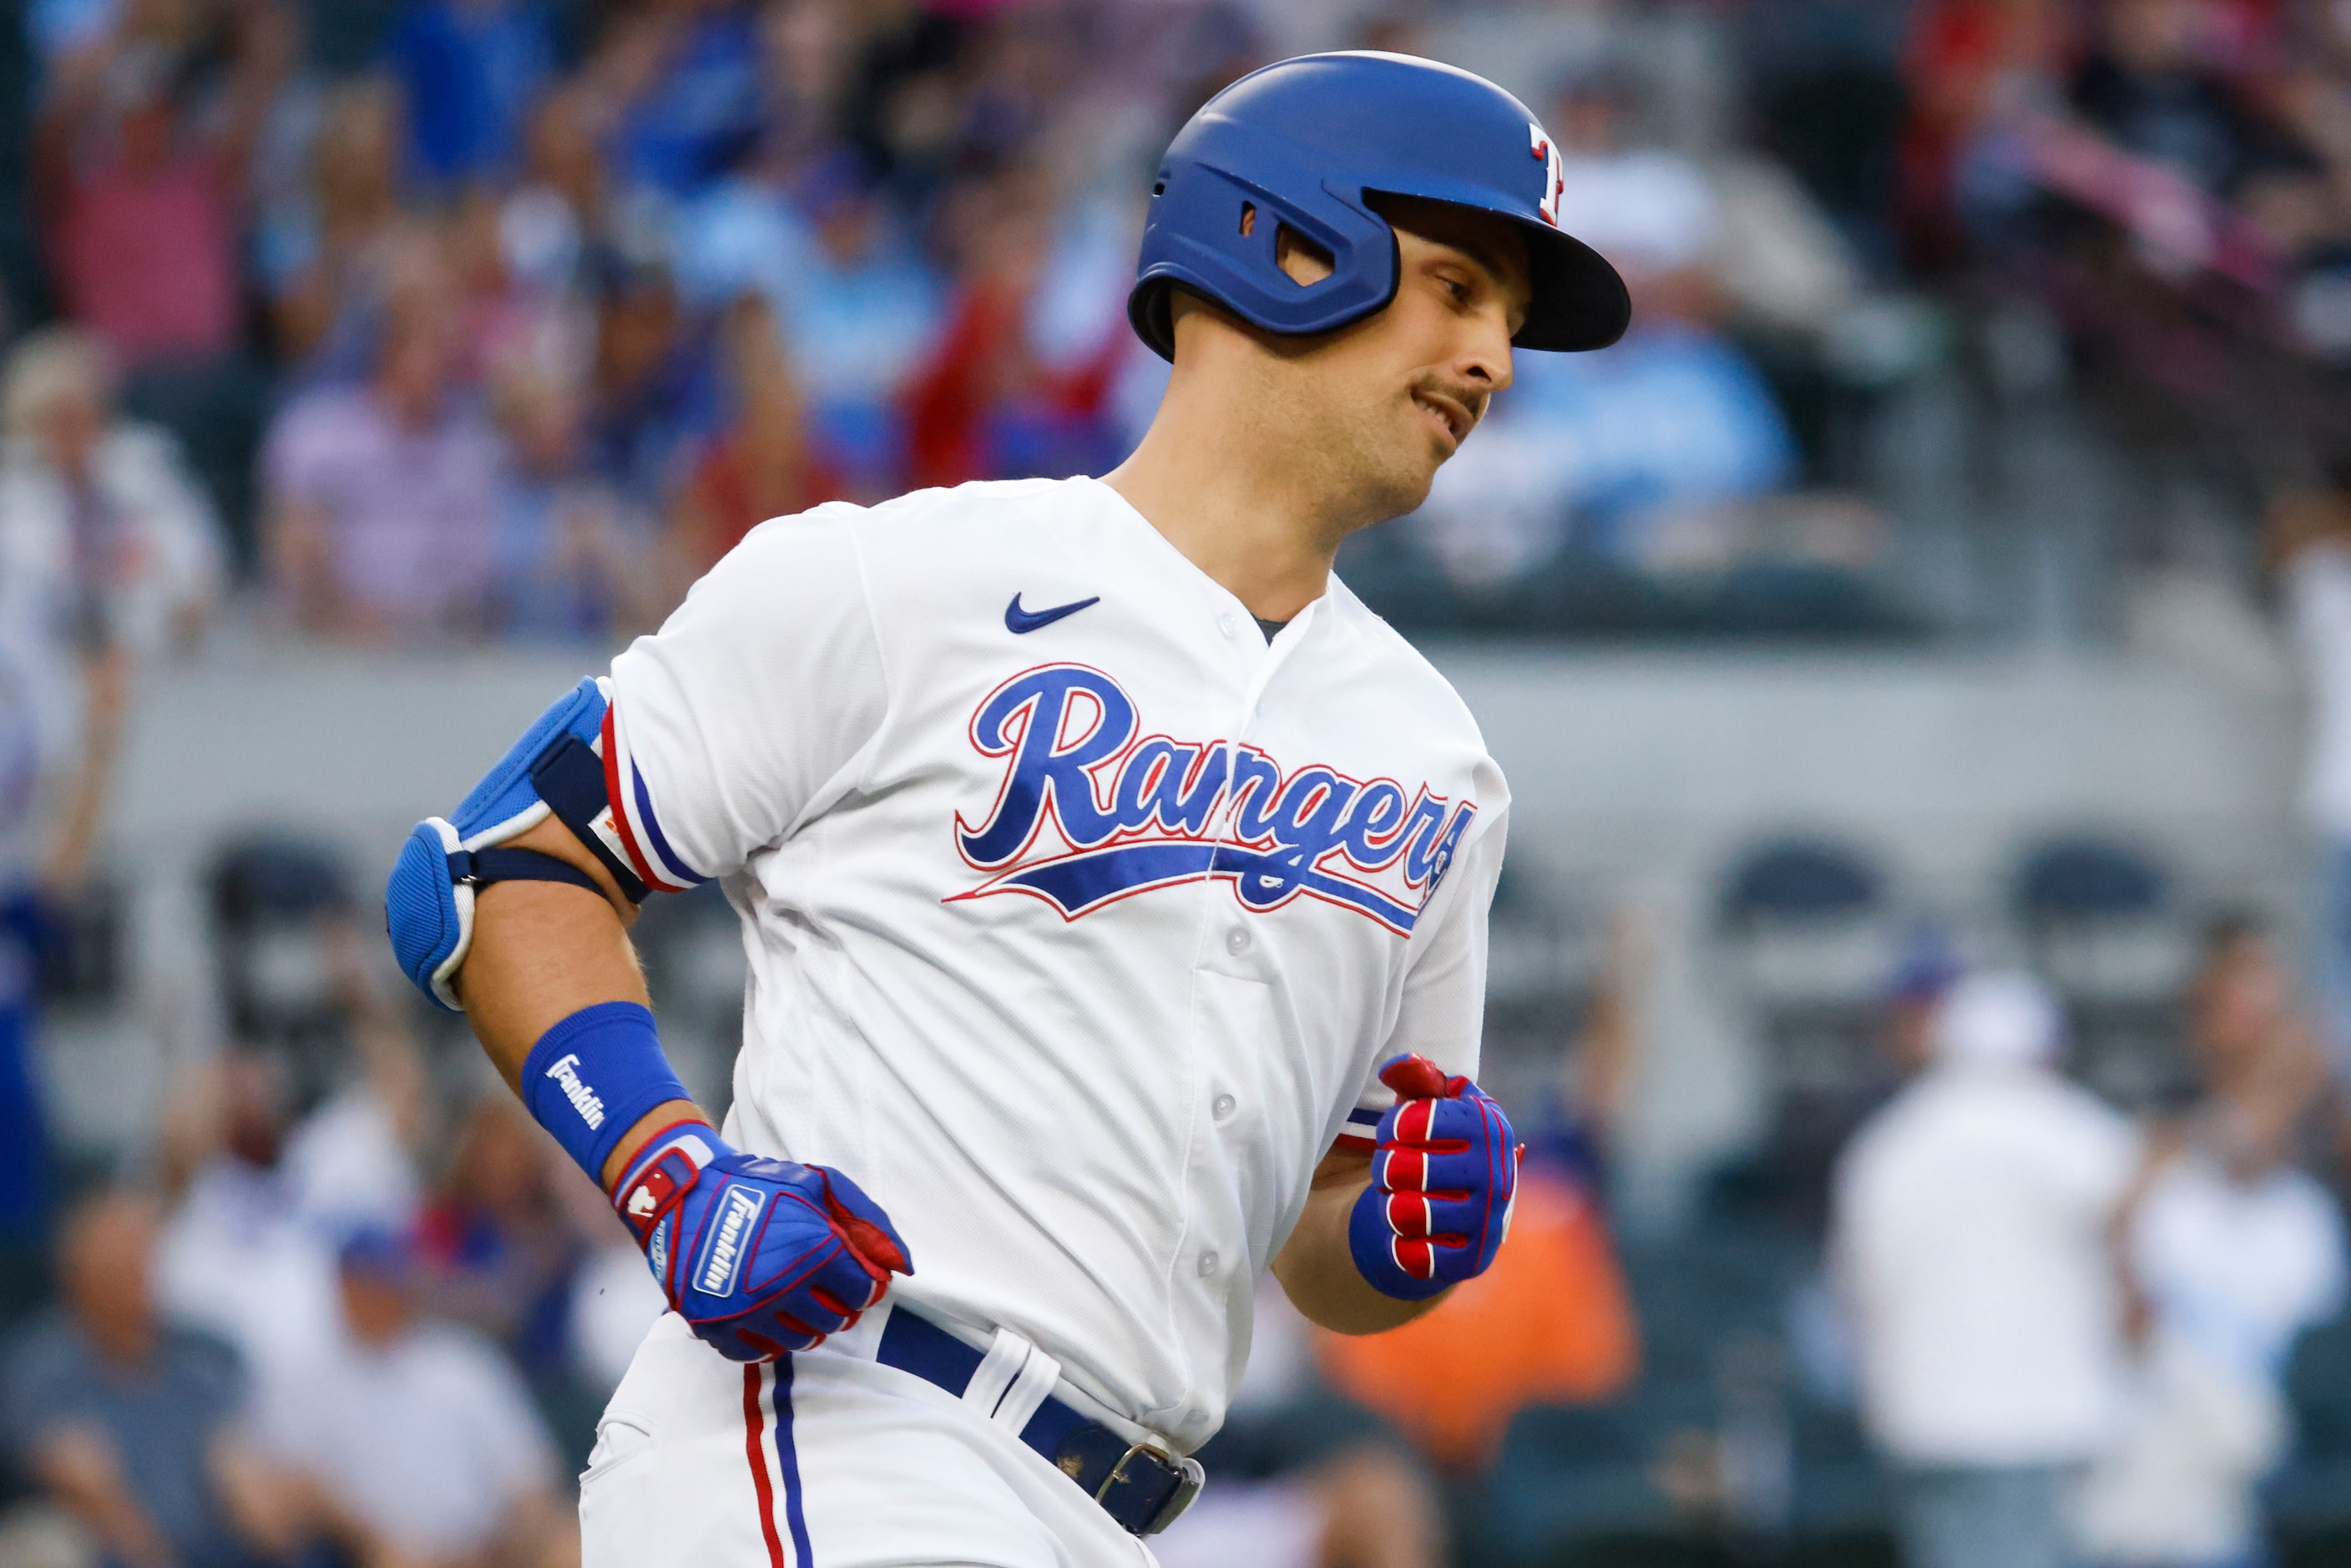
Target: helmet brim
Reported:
point(1580, 301)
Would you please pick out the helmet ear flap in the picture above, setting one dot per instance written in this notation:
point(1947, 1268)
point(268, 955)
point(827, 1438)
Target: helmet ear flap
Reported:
point(1217, 233)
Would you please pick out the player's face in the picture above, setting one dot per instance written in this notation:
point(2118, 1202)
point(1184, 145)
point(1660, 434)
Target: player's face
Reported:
point(1397, 393)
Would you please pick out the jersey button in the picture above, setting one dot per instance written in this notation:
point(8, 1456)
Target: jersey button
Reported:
point(1209, 1261)
point(1228, 626)
point(1224, 1106)
point(1237, 941)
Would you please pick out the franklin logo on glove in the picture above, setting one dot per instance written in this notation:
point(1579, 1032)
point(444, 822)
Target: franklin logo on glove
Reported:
point(789, 1254)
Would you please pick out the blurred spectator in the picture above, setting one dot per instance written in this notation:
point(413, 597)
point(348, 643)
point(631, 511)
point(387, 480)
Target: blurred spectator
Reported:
point(761, 467)
point(1811, 1130)
point(558, 206)
point(263, 1193)
point(2234, 1252)
point(1971, 1242)
point(2310, 543)
point(324, 251)
point(655, 389)
point(143, 196)
point(570, 566)
point(108, 555)
point(383, 497)
point(1021, 378)
point(2151, 81)
point(28, 860)
point(857, 307)
point(1969, 62)
point(129, 1423)
point(1298, 1477)
point(469, 71)
point(1601, 448)
point(106, 543)
point(499, 1243)
point(1647, 209)
point(681, 80)
point(418, 1430)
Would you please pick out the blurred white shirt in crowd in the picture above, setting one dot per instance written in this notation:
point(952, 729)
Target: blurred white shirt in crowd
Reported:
point(1969, 1243)
point(157, 540)
point(431, 1440)
point(1644, 208)
point(249, 1254)
point(2318, 603)
point(2239, 1268)
point(2234, 1271)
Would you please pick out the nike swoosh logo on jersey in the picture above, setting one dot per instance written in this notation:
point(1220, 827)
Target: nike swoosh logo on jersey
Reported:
point(1019, 622)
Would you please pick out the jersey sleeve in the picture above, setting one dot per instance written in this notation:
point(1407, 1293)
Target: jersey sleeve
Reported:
point(762, 688)
point(1443, 1017)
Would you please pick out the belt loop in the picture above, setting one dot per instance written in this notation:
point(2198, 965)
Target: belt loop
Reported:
point(1038, 1377)
point(1008, 1352)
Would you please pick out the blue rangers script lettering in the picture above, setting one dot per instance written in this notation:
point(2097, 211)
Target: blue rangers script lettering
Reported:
point(1154, 812)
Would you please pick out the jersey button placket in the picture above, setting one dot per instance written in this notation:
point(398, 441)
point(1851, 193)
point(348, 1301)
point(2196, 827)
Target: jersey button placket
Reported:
point(1222, 1110)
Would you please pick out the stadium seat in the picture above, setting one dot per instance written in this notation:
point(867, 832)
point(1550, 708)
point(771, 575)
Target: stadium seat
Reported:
point(2103, 921)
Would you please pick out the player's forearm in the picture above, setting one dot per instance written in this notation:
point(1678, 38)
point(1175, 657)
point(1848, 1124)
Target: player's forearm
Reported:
point(543, 951)
point(1317, 1268)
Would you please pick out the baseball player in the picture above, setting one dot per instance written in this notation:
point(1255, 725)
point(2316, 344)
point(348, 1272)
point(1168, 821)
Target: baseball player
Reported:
point(1114, 885)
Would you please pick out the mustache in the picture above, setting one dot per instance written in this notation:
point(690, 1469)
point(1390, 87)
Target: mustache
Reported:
point(1471, 399)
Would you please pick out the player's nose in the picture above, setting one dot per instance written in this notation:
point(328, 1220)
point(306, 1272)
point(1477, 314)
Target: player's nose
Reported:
point(1484, 359)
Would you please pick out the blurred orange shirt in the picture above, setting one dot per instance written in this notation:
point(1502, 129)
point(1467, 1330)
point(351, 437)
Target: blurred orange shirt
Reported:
point(1550, 1322)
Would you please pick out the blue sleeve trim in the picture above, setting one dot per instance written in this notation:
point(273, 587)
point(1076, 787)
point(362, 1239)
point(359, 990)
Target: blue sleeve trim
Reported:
point(670, 861)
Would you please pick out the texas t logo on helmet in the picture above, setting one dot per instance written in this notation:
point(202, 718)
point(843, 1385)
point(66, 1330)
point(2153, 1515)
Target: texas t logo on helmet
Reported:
point(1546, 151)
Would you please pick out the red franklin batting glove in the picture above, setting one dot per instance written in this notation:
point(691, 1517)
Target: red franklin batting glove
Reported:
point(1443, 1179)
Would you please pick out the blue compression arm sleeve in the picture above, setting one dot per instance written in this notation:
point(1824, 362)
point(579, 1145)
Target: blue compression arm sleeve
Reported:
point(592, 1077)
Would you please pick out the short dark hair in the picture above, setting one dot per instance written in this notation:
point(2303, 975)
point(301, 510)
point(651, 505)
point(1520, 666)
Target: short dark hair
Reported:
point(2229, 927)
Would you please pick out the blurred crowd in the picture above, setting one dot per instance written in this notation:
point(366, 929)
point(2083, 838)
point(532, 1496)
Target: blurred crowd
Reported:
point(429, 324)
point(348, 1306)
point(503, 319)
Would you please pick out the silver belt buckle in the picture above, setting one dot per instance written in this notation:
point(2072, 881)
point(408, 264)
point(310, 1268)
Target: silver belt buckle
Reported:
point(1186, 1490)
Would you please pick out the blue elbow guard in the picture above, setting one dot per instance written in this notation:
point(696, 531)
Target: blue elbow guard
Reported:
point(556, 769)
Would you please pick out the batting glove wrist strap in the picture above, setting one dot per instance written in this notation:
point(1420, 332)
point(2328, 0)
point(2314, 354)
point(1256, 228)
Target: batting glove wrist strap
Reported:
point(1444, 1178)
point(759, 1257)
point(593, 1076)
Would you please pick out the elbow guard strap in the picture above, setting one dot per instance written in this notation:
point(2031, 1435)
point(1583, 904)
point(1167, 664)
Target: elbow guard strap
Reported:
point(593, 1076)
point(556, 769)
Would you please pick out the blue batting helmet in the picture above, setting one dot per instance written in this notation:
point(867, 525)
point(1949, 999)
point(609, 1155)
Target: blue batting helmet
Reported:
point(1304, 142)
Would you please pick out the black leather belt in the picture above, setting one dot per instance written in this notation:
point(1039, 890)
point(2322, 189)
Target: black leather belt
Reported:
point(1141, 1485)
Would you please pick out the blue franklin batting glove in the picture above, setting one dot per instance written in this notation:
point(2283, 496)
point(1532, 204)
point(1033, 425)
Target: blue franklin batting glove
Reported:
point(760, 1257)
point(1443, 1180)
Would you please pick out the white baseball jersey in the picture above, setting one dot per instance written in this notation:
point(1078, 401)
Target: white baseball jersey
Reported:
point(1079, 917)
